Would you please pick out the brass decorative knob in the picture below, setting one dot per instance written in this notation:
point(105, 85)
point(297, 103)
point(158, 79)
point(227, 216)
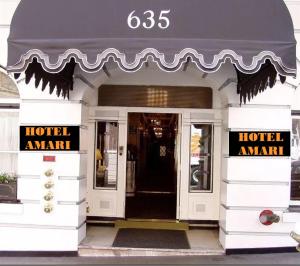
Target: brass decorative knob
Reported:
point(49, 184)
point(48, 208)
point(48, 196)
point(49, 173)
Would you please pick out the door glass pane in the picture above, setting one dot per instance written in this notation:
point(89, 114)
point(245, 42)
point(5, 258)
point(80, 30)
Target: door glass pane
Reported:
point(201, 158)
point(106, 155)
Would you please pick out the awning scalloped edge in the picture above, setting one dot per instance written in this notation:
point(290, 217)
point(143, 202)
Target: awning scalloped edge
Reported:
point(179, 59)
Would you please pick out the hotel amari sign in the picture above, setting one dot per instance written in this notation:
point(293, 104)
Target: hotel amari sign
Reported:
point(256, 143)
point(49, 138)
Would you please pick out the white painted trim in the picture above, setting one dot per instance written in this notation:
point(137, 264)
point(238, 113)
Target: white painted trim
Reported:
point(72, 178)
point(258, 183)
point(265, 106)
point(77, 203)
point(252, 208)
point(9, 110)
point(61, 101)
point(9, 101)
point(34, 226)
point(254, 233)
point(9, 152)
point(255, 129)
point(29, 177)
point(226, 156)
point(56, 152)
point(26, 201)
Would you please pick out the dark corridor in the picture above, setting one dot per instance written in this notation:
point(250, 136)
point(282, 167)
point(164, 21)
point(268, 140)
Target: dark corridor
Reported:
point(151, 185)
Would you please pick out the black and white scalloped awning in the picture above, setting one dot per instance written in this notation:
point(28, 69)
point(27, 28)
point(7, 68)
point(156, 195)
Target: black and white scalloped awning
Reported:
point(207, 32)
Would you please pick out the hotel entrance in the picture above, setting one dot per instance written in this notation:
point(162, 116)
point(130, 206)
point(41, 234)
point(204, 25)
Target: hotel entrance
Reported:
point(98, 63)
point(156, 154)
point(152, 162)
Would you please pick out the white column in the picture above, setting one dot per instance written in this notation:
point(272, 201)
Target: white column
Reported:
point(253, 184)
point(26, 226)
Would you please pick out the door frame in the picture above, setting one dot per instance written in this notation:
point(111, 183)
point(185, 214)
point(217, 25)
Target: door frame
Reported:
point(185, 118)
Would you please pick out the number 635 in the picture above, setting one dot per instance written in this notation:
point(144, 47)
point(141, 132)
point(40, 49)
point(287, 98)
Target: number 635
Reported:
point(135, 22)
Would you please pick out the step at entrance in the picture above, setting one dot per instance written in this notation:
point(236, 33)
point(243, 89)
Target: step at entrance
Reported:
point(152, 224)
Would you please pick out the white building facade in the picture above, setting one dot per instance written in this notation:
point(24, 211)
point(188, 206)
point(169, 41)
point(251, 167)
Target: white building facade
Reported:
point(240, 188)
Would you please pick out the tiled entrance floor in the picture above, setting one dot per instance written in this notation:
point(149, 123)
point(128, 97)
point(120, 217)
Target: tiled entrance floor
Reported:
point(100, 238)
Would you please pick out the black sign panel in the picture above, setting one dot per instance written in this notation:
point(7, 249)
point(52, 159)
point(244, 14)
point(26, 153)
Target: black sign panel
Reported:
point(257, 143)
point(49, 138)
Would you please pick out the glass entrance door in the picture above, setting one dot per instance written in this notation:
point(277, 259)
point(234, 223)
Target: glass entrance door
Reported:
point(107, 164)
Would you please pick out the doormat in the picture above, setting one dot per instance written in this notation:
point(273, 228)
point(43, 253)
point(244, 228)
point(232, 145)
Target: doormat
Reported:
point(146, 224)
point(149, 238)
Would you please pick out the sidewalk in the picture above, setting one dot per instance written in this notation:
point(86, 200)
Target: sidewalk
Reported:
point(284, 259)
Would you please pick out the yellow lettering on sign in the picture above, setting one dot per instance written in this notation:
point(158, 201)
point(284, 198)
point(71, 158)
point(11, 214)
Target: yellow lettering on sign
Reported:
point(65, 132)
point(68, 145)
point(243, 136)
point(29, 131)
point(263, 151)
point(29, 146)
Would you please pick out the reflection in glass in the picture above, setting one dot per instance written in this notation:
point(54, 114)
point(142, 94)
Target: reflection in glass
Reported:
point(200, 157)
point(295, 154)
point(106, 155)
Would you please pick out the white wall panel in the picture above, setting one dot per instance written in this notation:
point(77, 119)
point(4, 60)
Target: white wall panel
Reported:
point(49, 113)
point(11, 209)
point(257, 169)
point(7, 9)
point(66, 165)
point(259, 118)
point(33, 214)
point(248, 221)
point(291, 217)
point(296, 99)
point(4, 32)
point(39, 239)
point(71, 190)
point(63, 190)
point(280, 94)
point(258, 241)
point(257, 195)
point(294, 8)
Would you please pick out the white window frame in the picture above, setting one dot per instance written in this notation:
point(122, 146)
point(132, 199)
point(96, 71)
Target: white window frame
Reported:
point(10, 105)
